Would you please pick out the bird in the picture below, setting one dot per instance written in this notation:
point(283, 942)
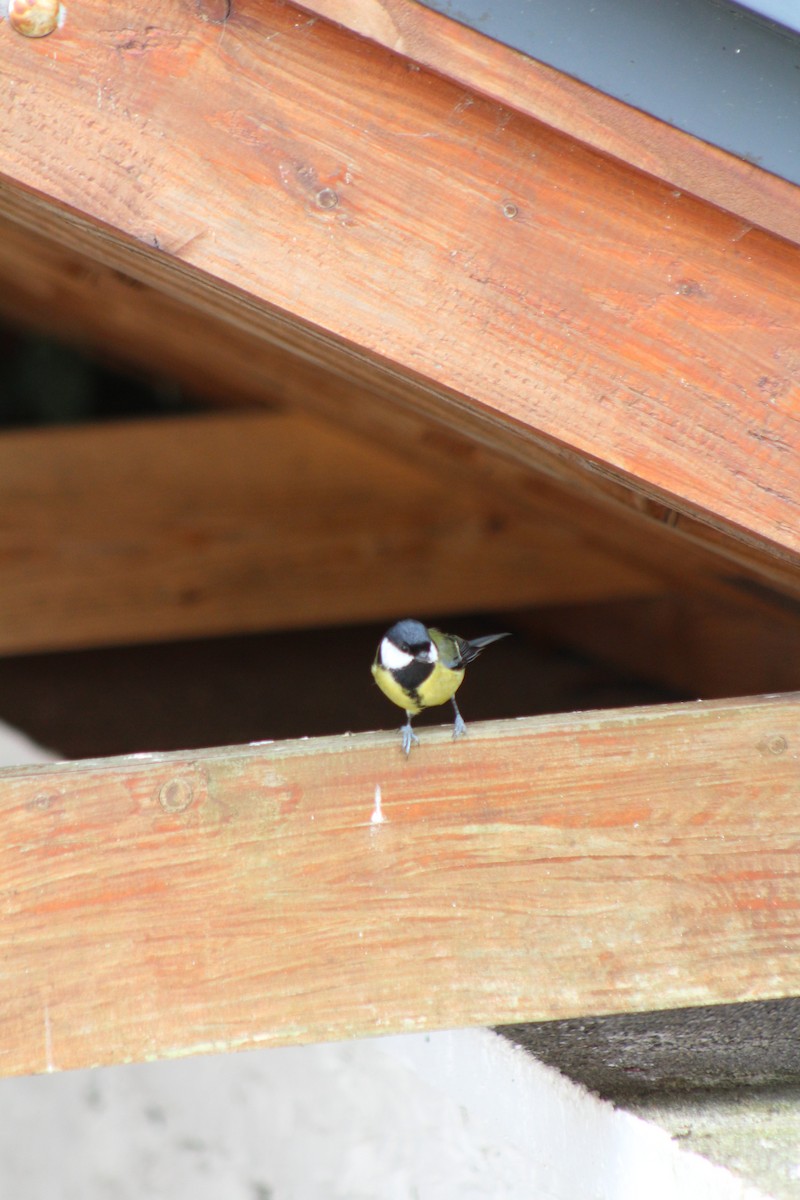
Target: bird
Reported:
point(418, 668)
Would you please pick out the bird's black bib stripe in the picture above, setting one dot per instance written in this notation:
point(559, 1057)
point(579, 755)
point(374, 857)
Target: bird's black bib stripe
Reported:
point(412, 677)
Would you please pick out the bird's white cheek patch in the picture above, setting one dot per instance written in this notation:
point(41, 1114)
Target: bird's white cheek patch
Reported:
point(393, 658)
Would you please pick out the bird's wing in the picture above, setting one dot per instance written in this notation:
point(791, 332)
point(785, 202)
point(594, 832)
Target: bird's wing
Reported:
point(455, 652)
point(466, 651)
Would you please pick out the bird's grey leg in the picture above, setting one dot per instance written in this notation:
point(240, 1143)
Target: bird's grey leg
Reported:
point(409, 737)
point(459, 728)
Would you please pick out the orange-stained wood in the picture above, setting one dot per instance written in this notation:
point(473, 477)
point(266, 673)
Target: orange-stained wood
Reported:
point(50, 287)
point(572, 107)
point(295, 180)
point(594, 863)
point(229, 523)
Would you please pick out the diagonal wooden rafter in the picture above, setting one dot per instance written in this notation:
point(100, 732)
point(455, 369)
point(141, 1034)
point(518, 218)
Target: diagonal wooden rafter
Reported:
point(564, 103)
point(286, 178)
point(51, 287)
point(571, 865)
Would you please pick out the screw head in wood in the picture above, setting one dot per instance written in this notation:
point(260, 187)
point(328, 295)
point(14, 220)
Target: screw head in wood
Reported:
point(34, 18)
point(175, 795)
point(216, 12)
point(773, 743)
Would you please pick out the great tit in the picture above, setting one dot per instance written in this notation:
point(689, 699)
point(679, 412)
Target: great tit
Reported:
point(418, 668)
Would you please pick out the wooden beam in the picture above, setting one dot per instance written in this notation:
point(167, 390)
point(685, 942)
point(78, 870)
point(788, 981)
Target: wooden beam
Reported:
point(699, 646)
point(640, 341)
point(56, 289)
point(553, 867)
point(574, 108)
point(47, 286)
point(142, 531)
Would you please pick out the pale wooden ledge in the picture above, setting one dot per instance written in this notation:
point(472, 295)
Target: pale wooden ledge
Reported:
point(162, 905)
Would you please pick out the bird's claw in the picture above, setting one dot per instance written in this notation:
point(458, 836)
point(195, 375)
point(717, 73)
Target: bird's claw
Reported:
point(459, 726)
point(409, 737)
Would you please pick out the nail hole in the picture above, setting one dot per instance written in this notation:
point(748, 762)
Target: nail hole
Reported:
point(175, 795)
point(43, 801)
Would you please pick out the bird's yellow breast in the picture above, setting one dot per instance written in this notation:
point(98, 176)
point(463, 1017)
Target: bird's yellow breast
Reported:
point(440, 685)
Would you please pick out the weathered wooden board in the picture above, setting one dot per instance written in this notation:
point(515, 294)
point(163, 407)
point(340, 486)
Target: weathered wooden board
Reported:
point(221, 523)
point(572, 107)
point(593, 863)
point(381, 222)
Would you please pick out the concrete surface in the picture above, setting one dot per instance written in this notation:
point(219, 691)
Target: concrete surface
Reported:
point(636, 1055)
point(724, 1081)
point(754, 1132)
point(461, 1116)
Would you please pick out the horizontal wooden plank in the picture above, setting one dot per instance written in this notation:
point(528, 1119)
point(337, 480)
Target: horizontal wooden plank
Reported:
point(572, 107)
point(221, 523)
point(552, 867)
point(303, 184)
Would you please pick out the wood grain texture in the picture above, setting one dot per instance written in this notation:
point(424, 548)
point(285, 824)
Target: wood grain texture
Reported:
point(49, 287)
point(308, 186)
point(692, 644)
point(147, 530)
point(553, 867)
point(572, 107)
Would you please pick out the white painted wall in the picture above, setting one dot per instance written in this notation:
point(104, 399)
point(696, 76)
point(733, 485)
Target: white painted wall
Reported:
point(442, 1116)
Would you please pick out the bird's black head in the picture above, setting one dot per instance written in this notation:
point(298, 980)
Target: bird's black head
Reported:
point(411, 637)
point(409, 655)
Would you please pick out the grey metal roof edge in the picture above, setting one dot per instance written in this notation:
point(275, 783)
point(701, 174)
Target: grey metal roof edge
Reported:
point(709, 67)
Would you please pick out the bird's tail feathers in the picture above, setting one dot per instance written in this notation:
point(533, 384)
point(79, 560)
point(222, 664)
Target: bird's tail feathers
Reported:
point(469, 650)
